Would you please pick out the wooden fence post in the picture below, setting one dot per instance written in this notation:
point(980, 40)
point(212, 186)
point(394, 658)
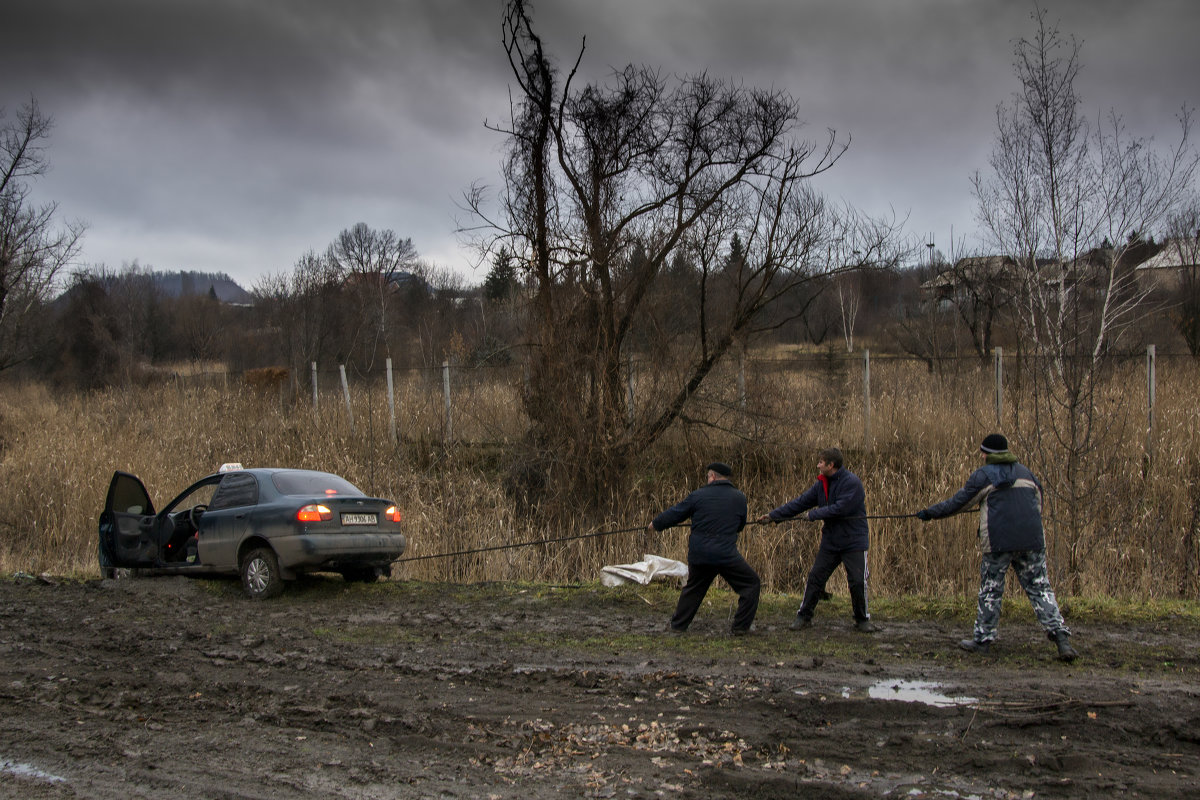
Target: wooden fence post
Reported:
point(446, 392)
point(346, 394)
point(999, 358)
point(867, 398)
point(391, 399)
point(1150, 388)
point(741, 377)
point(629, 389)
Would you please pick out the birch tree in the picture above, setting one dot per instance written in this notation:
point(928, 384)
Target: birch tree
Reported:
point(1058, 187)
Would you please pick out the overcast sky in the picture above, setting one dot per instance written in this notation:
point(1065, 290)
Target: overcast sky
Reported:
point(235, 135)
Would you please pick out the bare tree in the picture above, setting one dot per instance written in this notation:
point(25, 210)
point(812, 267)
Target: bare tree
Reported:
point(33, 252)
point(919, 324)
point(369, 261)
point(1057, 188)
point(661, 167)
point(849, 296)
point(856, 257)
point(981, 289)
point(1183, 248)
point(303, 307)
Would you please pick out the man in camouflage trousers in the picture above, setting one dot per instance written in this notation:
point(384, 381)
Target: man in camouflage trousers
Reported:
point(1010, 535)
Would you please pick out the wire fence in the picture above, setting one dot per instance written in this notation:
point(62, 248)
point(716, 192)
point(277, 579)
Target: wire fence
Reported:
point(470, 404)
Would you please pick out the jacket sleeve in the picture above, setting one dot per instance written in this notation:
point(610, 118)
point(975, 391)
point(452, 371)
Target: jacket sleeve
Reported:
point(849, 501)
point(796, 506)
point(675, 514)
point(974, 490)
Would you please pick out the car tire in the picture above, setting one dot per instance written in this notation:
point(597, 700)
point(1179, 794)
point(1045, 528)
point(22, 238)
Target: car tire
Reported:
point(260, 574)
point(360, 575)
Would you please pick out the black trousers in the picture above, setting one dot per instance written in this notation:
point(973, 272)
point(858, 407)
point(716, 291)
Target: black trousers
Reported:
point(823, 566)
point(740, 576)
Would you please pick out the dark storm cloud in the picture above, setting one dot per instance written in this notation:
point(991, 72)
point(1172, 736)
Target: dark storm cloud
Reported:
point(233, 135)
point(273, 123)
point(297, 64)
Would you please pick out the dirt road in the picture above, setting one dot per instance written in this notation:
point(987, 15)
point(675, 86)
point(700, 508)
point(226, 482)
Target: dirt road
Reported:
point(165, 687)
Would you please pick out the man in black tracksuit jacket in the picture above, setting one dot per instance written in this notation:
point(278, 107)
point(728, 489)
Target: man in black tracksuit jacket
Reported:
point(838, 498)
point(718, 514)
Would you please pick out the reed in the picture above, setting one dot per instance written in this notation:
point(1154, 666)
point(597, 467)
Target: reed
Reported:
point(58, 452)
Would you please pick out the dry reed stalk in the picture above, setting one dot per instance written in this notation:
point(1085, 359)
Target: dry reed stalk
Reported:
point(58, 451)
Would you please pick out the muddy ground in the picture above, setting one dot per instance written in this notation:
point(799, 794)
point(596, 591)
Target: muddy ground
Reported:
point(170, 687)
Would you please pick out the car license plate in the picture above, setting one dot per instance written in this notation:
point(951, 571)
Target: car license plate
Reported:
point(358, 519)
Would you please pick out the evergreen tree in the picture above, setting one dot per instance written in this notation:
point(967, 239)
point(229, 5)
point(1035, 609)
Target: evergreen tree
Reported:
point(501, 281)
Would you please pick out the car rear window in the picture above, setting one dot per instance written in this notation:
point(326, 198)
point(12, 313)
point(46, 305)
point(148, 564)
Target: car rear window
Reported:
point(313, 484)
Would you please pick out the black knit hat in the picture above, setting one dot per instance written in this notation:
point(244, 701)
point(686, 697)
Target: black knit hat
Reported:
point(719, 468)
point(994, 443)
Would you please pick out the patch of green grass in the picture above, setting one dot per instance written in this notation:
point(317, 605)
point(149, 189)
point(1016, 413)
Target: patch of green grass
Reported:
point(220, 587)
point(1130, 610)
point(921, 607)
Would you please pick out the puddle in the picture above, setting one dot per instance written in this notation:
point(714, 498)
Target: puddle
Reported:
point(926, 692)
point(28, 771)
point(907, 691)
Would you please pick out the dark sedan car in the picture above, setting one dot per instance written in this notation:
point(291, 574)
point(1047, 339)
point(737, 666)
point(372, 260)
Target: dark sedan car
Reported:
point(266, 525)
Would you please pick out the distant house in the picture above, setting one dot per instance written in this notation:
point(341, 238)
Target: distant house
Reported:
point(968, 274)
point(1097, 269)
point(392, 281)
point(993, 279)
point(1167, 270)
point(403, 280)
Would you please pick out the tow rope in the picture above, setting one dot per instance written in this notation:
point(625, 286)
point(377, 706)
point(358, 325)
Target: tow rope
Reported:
point(598, 534)
point(519, 544)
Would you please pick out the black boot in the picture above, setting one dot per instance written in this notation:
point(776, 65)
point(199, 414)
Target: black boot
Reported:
point(1065, 652)
point(973, 646)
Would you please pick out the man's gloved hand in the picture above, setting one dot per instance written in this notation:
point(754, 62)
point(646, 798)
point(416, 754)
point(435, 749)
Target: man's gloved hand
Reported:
point(924, 515)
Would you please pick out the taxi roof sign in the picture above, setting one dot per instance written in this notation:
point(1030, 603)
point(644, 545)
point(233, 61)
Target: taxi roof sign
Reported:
point(231, 466)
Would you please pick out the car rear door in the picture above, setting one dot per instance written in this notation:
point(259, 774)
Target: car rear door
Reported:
point(227, 519)
point(128, 527)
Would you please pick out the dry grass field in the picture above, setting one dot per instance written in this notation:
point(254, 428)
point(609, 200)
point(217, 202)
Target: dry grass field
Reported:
point(58, 452)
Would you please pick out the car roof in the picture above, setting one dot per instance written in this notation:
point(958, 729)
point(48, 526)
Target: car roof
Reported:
point(269, 471)
point(265, 473)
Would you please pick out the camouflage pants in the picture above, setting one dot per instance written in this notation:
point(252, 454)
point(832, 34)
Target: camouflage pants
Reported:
point(1030, 566)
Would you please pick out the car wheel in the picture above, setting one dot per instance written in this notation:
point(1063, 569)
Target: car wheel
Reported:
point(260, 574)
point(361, 575)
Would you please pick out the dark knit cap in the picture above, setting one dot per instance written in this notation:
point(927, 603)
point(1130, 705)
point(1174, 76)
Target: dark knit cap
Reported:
point(719, 468)
point(994, 443)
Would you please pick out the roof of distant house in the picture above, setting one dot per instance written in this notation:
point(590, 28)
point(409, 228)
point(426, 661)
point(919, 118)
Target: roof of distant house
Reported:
point(1176, 253)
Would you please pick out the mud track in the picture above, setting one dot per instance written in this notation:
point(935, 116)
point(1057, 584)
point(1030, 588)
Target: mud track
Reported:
point(165, 687)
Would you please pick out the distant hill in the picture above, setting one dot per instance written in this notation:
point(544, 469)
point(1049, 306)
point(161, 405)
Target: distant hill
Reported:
point(170, 284)
point(186, 284)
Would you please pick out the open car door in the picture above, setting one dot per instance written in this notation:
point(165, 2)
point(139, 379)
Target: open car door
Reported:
point(128, 526)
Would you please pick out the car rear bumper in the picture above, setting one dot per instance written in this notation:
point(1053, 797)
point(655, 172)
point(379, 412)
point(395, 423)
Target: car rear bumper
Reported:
point(313, 550)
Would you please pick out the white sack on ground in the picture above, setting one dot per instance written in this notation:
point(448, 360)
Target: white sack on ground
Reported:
point(644, 571)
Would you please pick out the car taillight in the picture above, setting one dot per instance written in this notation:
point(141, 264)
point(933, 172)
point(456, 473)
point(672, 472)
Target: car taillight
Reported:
point(392, 514)
point(314, 512)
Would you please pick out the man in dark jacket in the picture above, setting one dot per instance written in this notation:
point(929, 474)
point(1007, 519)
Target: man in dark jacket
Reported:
point(718, 514)
point(1010, 535)
point(838, 498)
